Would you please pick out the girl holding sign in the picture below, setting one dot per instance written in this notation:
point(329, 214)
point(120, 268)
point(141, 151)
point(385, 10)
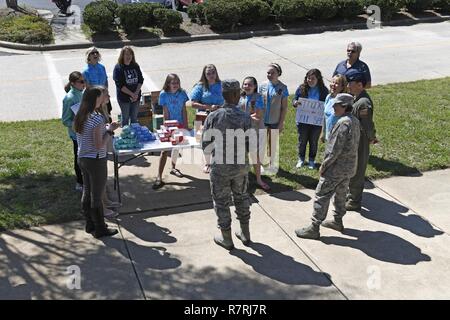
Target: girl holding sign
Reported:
point(309, 126)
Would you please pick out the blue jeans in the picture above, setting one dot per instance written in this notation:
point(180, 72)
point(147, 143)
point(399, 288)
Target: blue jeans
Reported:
point(129, 112)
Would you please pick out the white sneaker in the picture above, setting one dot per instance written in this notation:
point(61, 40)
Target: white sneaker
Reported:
point(312, 164)
point(79, 187)
point(107, 213)
point(300, 163)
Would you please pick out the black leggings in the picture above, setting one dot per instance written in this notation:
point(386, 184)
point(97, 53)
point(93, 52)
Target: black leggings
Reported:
point(75, 162)
point(308, 133)
point(95, 173)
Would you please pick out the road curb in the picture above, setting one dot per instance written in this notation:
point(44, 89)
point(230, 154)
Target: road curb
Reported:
point(213, 36)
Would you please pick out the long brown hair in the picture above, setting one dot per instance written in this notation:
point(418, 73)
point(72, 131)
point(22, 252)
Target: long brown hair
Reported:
point(203, 81)
point(169, 78)
point(73, 77)
point(122, 53)
point(87, 106)
point(305, 87)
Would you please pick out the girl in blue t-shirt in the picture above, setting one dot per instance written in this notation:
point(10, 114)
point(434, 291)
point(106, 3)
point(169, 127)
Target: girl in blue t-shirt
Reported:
point(173, 100)
point(275, 95)
point(207, 93)
point(252, 102)
point(207, 96)
point(312, 88)
point(338, 85)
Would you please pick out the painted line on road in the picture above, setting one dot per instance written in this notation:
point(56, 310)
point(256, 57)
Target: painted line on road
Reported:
point(56, 81)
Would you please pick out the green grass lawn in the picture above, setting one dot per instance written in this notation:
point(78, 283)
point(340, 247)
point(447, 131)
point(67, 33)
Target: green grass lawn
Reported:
point(36, 164)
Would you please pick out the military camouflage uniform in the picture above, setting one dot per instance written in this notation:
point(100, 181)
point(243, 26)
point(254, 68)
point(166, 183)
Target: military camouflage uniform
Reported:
point(363, 110)
point(228, 178)
point(338, 167)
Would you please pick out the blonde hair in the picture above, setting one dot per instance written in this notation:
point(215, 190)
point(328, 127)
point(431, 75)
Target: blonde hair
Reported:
point(342, 81)
point(89, 51)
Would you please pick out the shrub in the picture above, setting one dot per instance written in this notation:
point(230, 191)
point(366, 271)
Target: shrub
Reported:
point(149, 9)
point(348, 9)
point(132, 16)
point(222, 14)
point(25, 29)
point(388, 7)
point(168, 19)
point(289, 10)
point(442, 4)
point(196, 13)
point(253, 11)
point(418, 5)
point(111, 5)
point(321, 9)
point(98, 15)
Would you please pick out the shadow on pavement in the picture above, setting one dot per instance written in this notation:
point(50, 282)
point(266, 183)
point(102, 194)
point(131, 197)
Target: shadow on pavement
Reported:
point(34, 265)
point(389, 212)
point(393, 167)
point(380, 245)
point(147, 231)
point(277, 266)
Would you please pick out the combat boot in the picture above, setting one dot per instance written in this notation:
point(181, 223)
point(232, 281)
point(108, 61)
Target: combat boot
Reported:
point(352, 206)
point(224, 239)
point(101, 229)
point(335, 224)
point(244, 234)
point(310, 232)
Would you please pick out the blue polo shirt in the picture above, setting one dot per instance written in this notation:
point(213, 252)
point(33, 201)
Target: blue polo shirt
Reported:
point(360, 66)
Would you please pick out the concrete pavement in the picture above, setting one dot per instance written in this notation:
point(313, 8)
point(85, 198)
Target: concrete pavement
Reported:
point(397, 247)
point(33, 88)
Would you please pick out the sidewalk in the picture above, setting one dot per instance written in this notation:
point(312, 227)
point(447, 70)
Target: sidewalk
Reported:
point(397, 247)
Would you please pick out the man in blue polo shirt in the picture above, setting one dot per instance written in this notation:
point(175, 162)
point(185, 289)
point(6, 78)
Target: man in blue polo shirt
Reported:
point(353, 63)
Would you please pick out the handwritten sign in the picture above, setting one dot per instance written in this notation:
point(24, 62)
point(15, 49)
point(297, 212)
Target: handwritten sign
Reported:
point(309, 112)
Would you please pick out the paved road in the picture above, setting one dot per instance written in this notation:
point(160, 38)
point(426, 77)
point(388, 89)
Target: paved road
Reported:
point(33, 85)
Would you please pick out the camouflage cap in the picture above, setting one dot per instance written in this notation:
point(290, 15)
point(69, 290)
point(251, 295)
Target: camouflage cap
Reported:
point(230, 85)
point(344, 99)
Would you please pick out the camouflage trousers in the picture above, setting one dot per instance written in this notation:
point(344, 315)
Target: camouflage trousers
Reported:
point(223, 187)
point(356, 186)
point(326, 188)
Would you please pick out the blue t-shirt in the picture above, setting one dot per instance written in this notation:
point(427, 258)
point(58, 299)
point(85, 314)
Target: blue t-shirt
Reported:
point(247, 102)
point(95, 74)
point(271, 92)
point(330, 118)
point(211, 96)
point(174, 103)
point(360, 66)
point(313, 93)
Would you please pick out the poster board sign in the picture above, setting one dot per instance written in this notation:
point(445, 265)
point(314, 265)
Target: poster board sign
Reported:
point(310, 112)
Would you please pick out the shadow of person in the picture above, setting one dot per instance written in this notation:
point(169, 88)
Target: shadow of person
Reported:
point(139, 226)
point(380, 245)
point(145, 257)
point(393, 167)
point(277, 266)
point(389, 212)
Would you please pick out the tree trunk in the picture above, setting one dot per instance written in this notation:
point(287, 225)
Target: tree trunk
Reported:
point(11, 4)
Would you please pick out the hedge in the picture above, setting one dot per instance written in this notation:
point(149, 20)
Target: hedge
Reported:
point(348, 9)
point(168, 19)
point(442, 4)
point(253, 11)
point(196, 13)
point(289, 10)
point(99, 15)
point(388, 7)
point(418, 5)
point(132, 16)
point(321, 9)
point(25, 29)
point(222, 14)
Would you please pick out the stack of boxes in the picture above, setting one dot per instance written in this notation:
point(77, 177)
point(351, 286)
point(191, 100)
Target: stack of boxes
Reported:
point(145, 111)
